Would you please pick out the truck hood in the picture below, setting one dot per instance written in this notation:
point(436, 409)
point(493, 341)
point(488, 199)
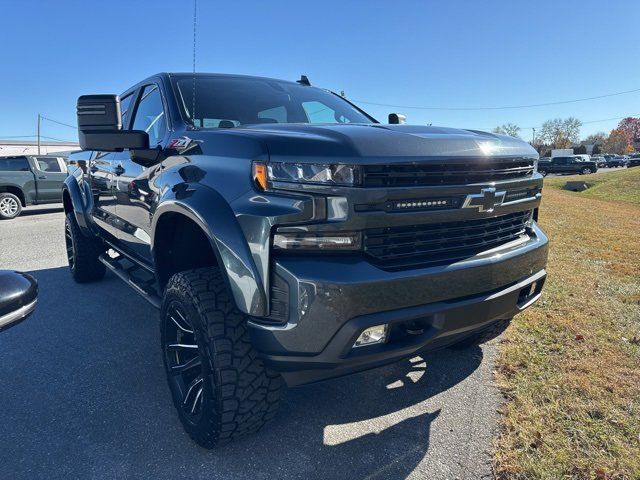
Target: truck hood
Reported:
point(379, 143)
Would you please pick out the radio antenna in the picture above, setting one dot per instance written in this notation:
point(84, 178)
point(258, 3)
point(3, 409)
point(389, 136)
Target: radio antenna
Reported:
point(193, 94)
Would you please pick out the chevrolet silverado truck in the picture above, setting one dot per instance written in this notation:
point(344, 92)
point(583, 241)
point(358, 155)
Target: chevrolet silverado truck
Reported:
point(288, 237)
point(29, 180)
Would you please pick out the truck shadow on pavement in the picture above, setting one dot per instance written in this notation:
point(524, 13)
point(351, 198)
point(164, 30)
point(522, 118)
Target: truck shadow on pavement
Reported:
point(83, 394)
point(40, 211)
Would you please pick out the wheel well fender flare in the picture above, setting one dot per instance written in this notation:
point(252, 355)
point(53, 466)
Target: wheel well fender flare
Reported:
point(78, 199)
point(211, 212)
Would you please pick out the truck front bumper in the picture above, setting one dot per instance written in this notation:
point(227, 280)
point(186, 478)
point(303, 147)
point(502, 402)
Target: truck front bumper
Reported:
point(333, 299)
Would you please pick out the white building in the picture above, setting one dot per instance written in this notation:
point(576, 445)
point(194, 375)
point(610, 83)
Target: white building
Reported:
point(30, 147)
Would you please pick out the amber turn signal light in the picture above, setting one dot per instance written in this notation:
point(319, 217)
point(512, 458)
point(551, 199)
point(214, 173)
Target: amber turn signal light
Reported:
point(260, 175)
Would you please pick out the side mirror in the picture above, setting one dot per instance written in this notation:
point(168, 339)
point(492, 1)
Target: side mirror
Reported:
point(18, 297)
point(100, 125)
point(397, 118)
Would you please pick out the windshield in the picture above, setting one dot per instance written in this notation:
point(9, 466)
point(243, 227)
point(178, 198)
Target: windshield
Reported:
point(225, 102)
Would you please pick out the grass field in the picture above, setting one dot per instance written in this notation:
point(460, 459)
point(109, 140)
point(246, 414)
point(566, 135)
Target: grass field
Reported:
point(622, 185)
point(569, 367)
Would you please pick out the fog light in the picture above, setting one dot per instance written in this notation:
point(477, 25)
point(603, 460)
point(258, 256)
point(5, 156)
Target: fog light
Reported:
point(372, 335)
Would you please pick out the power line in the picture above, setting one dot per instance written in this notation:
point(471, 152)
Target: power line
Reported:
point(8, 137)
point(595, 121)
point(510, 107)
point(58, 122)
point(582, 123)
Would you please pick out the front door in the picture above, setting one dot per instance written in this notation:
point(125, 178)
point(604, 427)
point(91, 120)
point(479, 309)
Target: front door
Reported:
point(136, 193)
point(103, 177)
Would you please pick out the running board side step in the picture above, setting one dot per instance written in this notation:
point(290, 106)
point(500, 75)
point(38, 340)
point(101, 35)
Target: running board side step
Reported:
point(143, 287)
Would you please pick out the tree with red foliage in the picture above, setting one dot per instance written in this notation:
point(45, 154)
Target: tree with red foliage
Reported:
point(631, 127)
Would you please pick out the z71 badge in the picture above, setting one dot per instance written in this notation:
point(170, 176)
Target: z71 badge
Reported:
point(183, 144)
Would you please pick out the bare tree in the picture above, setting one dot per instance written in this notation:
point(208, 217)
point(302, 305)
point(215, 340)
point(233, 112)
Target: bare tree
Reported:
point(595, 139)
point(560, 133)
point(510, 129)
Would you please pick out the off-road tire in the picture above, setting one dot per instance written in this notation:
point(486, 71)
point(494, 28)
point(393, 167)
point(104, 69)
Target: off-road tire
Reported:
point(483, 336)
point(239, 393)
point(13, 206)
point(82, 253)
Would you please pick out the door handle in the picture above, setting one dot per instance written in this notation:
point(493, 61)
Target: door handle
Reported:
point(119, 170)
point(42, 177)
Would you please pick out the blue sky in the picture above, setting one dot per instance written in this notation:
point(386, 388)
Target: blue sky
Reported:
point(424, 53)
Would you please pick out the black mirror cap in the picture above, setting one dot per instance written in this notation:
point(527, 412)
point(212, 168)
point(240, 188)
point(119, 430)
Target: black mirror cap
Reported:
point(397, 118)
point(99, 112)
point(18, 297)
point(112, 140)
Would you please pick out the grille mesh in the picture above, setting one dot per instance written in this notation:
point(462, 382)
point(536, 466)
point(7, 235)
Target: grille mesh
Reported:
point(441, 243)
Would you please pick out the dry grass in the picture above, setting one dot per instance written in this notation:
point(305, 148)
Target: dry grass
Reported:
point(570, 366)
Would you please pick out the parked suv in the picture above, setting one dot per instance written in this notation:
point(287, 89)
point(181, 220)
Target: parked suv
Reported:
point(634, 160)
point(616, 161)
point(29, 180)
point(567, 166)
point(287, 236)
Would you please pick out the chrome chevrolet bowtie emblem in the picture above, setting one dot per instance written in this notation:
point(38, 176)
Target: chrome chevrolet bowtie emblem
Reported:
point(485, 201)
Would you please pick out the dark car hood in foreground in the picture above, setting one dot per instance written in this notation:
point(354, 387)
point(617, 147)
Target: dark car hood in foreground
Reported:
point(378, 141)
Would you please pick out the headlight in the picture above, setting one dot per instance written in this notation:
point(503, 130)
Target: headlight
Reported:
point(311, 173)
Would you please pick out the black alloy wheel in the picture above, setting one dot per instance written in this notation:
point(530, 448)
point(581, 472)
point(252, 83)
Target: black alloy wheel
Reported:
point(68, 240)
point(184, 361)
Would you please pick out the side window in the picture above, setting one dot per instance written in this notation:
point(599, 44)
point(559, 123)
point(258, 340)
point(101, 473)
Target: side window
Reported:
point(15, 164)
point(273, 115)
point(125, 109)
point(318, 112)
point(150, 116)
point(49, 164)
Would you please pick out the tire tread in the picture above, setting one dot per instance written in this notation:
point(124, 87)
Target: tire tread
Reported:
point(247, 393)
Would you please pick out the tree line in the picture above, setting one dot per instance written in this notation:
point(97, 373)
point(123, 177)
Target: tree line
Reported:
point(565, 133)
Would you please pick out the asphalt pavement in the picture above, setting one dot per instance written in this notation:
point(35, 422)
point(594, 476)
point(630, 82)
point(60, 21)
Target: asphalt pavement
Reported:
point(83, 395)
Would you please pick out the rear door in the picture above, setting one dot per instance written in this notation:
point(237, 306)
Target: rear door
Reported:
point(50, 173)
point(136, 192)
point(103, 178)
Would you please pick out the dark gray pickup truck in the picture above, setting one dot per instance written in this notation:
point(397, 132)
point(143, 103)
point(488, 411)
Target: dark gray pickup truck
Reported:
point(286, 235)
point(29, 180)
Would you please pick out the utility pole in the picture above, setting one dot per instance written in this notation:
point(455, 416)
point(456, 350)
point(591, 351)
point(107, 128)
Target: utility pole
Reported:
point(38, 134)
point(533, 140)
